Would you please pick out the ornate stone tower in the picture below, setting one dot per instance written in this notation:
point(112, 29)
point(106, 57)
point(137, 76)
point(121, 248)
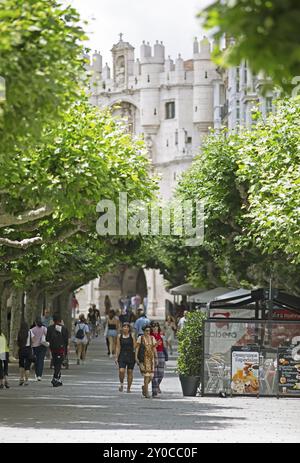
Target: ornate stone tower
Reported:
point(123, 63)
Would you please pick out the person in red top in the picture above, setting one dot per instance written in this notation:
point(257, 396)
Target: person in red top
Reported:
point(57, 336)
point(159, 369)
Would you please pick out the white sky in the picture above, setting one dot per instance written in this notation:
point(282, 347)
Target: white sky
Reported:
point(172, 21)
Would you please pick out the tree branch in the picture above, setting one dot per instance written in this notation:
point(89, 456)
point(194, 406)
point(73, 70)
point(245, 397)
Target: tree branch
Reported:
point(24, 244)
point(6, 220)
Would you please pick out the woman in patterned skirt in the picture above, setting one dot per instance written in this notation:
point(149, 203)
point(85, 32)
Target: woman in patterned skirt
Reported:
point(150, 358)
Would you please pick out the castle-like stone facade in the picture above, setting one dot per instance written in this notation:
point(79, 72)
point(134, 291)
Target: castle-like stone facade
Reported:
point(169, 103)
point(172, 105)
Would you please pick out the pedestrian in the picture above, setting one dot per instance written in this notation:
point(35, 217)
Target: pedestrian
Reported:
point(82, 336)
point(182, 320)
point(170, 330)
point(4, 353)
point(98, 319)
point(127, 303)
point(57, 336)
point(112, 331)
point(146, 343)
point(39, 346)
point(105, 326)
point(125, 355)
point(123, 317)
point(47, 318)
point(159, 369)
point(141, 322)
point(74, 305)
point(92, 321)
point(24, 342)
point(107, 304)
point(121, 303)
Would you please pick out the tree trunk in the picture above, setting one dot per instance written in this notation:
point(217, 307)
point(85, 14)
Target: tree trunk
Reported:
point(65, 308)
point(5, 289)
point(31, 304)
point(49, 301)
point(16, 315)
point(40, 304)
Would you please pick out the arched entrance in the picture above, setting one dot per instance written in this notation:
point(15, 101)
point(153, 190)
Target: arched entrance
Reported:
point(130, 114)
point(134, 282)
point(128, 281)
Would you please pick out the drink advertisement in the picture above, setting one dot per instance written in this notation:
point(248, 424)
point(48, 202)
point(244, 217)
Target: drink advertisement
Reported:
point(245, 370)
point(289, 370)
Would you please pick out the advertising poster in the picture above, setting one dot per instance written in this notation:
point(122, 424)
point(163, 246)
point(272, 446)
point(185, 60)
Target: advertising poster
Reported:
point(289, 370)
point(245, 370)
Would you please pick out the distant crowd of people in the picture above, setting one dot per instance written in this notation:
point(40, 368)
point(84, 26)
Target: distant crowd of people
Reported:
point(131, 338)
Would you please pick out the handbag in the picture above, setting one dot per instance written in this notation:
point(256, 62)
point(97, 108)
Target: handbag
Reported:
point(141, 352)
point(44, 342)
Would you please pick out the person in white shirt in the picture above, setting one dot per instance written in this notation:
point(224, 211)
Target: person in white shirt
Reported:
point(82, 337)
point(182, 320)
point(39, 345)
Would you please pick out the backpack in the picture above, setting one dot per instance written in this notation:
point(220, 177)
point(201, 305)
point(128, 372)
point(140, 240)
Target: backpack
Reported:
point(80, 333)
point(57, 340)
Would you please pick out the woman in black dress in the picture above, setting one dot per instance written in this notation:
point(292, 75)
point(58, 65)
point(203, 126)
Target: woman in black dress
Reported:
point(125, 355)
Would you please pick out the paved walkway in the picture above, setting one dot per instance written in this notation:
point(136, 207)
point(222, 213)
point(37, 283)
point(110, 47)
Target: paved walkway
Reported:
point(89, 408)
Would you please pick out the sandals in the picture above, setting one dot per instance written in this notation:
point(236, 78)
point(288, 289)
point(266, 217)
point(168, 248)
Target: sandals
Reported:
point(21, 382)
point(147, 396)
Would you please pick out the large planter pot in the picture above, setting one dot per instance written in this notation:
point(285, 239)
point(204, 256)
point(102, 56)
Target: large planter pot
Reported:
point(189, 385)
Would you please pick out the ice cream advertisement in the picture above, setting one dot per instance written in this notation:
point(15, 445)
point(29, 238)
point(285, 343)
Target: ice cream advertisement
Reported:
point(244, 370)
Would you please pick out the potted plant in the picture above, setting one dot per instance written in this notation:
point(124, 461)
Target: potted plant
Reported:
point(190, 353)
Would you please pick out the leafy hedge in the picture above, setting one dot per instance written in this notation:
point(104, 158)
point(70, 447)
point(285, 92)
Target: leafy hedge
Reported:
point(190, 345)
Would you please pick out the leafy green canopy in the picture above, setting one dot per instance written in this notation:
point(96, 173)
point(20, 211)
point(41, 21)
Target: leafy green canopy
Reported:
point(250, 186)
point(89, 156)
point(265, 33)
point(86, 157)
point(41, 61)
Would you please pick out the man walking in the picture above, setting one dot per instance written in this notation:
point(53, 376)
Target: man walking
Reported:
point(57, 336)
point(141, 321)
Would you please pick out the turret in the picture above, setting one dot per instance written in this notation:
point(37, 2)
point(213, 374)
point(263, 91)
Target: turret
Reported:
point(145, 50)
point(106, 72)
point(204, 73)
point(97, 62)
point(159, 52)
point(137, 68)
point(169, 64)
point(179, 69)
point(205, 49)
point(196, 46)
point(179, 65)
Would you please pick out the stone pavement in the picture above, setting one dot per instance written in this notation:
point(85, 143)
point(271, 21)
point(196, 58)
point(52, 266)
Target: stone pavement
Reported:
point(89, 408)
